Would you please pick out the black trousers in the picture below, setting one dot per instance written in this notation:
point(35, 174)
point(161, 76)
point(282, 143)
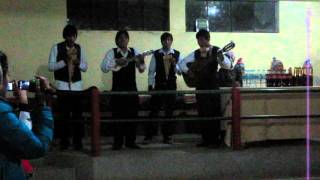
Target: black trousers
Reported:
point(126, 107)
point(164, 102)
point(70, 108)
point(208, 105)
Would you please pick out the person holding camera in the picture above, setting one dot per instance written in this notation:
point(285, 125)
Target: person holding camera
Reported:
point(17, 140)
point(124, 79)
point(67, 61)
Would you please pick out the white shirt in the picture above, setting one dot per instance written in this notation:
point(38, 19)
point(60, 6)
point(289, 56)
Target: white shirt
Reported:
point(53, 65)
point(152, 66)
point(24, 116)
point(225, 63)
point(108, 61)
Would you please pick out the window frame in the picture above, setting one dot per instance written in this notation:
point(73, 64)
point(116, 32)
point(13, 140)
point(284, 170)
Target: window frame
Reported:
point(92, 21)
point(254, 29)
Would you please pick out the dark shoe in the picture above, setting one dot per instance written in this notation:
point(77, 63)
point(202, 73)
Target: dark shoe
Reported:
point(78, 147)
point(116, 147)
point(203, 144)
point(213, 146)
point(77, 144)
point(167, 140)
point(64, 147)
point(133, 146)
point(64, 144)
point(147, 140)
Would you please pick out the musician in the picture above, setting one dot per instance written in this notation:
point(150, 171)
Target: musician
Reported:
point(67, 61)
point(162, 76)
point(207, 79)
point(123, 106)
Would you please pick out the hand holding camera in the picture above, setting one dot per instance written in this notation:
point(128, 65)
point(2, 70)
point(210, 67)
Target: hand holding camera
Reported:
point(44, 83)
point(20, 89)
point(38, 85)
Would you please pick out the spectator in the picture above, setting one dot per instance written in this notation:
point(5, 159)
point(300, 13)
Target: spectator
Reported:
point(17, 141)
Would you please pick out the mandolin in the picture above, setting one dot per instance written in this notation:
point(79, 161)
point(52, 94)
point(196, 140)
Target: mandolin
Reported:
point(134, 58)
point(197, 66)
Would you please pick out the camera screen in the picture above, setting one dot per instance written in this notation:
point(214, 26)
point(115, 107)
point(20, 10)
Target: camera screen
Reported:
point(10, 86)
point(24, 85)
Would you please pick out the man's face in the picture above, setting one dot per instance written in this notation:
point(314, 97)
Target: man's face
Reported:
point(166, 43)
point(203, 42)
point(71, 39)
point(122, 41)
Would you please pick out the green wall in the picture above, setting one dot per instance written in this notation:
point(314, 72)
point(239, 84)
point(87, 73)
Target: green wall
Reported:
point(30, 28)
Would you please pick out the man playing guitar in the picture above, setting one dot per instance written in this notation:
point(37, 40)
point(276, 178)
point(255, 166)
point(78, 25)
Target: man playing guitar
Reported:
point(206, 78)
point(123, 106)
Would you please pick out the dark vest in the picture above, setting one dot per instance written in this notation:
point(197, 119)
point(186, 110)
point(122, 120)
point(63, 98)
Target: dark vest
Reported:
point(125, 78)
point(62, 74)
point(160, 78)
point(208, 77)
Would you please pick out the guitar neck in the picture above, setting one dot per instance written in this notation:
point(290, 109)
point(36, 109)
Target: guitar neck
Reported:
point(130, 59)
point(136, 56)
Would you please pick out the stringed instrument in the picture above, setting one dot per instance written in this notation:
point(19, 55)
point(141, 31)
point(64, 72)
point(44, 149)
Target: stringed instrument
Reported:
point(197, 66)
point(117, 67)
point(72, 61)
point(168, 61)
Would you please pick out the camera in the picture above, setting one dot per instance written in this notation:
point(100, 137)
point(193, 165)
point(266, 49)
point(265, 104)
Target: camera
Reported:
point(27, 85)
point(10, 86)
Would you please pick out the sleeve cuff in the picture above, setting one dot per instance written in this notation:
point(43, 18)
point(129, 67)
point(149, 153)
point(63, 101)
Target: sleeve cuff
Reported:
point(25, 118)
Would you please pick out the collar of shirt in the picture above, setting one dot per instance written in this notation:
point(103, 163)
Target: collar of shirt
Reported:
point(170, 51)
point(206, 49)
point(124, 54)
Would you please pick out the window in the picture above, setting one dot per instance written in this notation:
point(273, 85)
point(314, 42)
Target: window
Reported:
point(118, 14)
point(234, 16)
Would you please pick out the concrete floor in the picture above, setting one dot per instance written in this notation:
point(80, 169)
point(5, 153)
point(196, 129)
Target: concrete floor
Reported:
point(266, 160)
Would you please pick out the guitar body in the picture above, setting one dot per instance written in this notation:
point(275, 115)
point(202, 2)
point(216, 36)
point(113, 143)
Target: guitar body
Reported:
point(117, 67)
point(197, 66)
point(190, 81)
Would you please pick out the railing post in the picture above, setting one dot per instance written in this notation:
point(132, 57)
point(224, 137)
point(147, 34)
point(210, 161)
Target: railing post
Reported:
point(95, 122)
point(236, 121)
